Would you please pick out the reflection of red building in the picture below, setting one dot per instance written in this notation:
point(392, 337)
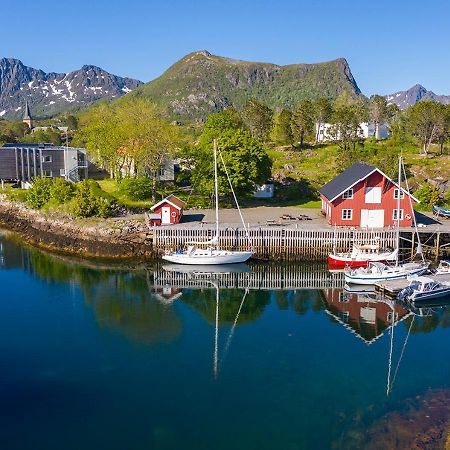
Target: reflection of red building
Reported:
point(166, 294)
point(362, 314)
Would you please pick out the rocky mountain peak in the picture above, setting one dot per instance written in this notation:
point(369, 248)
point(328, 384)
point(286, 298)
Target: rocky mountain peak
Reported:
point(51, 93)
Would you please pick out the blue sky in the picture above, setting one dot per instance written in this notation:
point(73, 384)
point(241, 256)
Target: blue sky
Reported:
point(390, 45)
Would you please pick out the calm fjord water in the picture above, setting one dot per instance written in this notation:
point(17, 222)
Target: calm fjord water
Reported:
point(102, 358)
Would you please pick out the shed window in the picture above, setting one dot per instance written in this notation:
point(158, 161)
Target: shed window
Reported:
point(348, 194)
point(396, 194)
point(394, 214)
point(47, 159)
point(347, 214)
point(47, 173)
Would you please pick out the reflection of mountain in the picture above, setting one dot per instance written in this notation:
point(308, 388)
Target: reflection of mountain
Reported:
point(362, 314)
point(204, 302)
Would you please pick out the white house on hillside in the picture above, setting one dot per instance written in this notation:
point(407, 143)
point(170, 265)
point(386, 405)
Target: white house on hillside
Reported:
point(366, 130)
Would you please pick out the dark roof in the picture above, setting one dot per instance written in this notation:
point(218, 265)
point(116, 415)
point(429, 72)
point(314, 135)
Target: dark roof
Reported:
point(32, 145)
point(27, 113)
point(346, 179)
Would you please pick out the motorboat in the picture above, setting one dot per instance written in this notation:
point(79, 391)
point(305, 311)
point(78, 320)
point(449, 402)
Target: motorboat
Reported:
point(360, 256)
point(443, 267)
point(425, 289)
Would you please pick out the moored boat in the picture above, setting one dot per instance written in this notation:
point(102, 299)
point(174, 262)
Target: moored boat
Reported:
point(425, 289)
point(361, 256)
point(209, 252)
point(376, 272)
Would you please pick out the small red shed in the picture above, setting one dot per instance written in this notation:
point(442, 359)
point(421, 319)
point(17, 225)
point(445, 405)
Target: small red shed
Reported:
point(169, 210)
point(363, 196)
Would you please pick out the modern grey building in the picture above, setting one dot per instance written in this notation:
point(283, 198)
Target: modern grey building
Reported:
point(23, 162)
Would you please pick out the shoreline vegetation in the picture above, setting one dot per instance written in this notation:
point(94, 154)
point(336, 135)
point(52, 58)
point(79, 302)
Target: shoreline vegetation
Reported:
point(108, 239)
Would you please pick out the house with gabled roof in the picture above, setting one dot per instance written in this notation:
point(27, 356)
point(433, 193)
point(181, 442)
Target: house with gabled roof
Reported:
point(168, 211)
point(364, 196)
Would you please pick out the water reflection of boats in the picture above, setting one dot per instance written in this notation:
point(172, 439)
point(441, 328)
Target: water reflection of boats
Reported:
point(207, 270)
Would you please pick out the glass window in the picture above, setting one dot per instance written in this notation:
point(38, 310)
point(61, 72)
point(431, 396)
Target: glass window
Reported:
point(348, 194)
point(347, 214)
point(396, 193)
point(394, 214)
point(47, 159)
point(47, 173)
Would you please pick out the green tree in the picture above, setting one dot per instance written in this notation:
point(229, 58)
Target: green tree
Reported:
point(379, 111)
point(217, 123)
point(302, 121)
point(129, 138)
point(258, 118)
point(39, 194)
point(61, 190)
point(322, 113)
point(281, 131)
point(245, 158)
point(426, 121)
point(428, 194)
point(72, 123)
point(348, 113)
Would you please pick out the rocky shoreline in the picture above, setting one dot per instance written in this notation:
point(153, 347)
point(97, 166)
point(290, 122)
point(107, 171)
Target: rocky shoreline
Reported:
point(113, 239)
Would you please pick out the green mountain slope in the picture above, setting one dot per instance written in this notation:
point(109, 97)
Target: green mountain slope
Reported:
point(202, 83)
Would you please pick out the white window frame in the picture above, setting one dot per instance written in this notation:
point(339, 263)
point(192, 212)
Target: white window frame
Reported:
point(394, 214)
point(371, 200)
point(402, 194)
point(348, 194)
point(389, 316)
point(344, 213)
point(47, 159)
point(44, 173)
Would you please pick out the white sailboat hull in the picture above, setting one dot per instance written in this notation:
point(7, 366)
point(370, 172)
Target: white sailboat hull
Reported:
point(208, 257)
point(365, 276)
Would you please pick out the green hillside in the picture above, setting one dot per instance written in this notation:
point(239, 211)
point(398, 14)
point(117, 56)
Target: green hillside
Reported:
point(202, 83)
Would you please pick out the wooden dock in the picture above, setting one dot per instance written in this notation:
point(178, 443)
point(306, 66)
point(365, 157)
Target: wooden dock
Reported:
point(301, 242)
point(391, 288)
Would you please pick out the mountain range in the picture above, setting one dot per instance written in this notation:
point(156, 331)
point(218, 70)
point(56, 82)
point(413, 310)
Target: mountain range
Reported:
point(404, 99)
point(192, 88)
point(51, 93)
point(201, 83)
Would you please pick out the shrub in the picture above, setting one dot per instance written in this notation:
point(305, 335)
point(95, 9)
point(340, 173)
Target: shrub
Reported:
point(85, 204)
point(104, 207)
point(39, 194)
point(428, 194)
point(61, 190)
point(139, 188)
point(88, 202)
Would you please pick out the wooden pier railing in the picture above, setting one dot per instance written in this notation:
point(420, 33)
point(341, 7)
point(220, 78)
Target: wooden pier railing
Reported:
point(275, 242)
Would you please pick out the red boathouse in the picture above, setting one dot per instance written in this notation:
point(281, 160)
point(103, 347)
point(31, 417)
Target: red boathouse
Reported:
point(169, 210)
point(363, 196)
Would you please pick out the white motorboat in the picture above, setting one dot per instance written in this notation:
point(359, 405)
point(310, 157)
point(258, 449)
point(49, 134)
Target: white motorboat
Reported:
point(444, 267)
point(209, 252)
point(425, 289)
point(377, 271)
point(381, 272)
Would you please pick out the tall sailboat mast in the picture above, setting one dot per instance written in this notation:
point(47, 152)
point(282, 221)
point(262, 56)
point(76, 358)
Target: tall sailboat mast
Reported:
point(216, 189)
point(398, 206)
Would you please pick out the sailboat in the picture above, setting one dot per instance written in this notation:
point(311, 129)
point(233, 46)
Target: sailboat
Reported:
point(209, 252)
point(377, 271)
